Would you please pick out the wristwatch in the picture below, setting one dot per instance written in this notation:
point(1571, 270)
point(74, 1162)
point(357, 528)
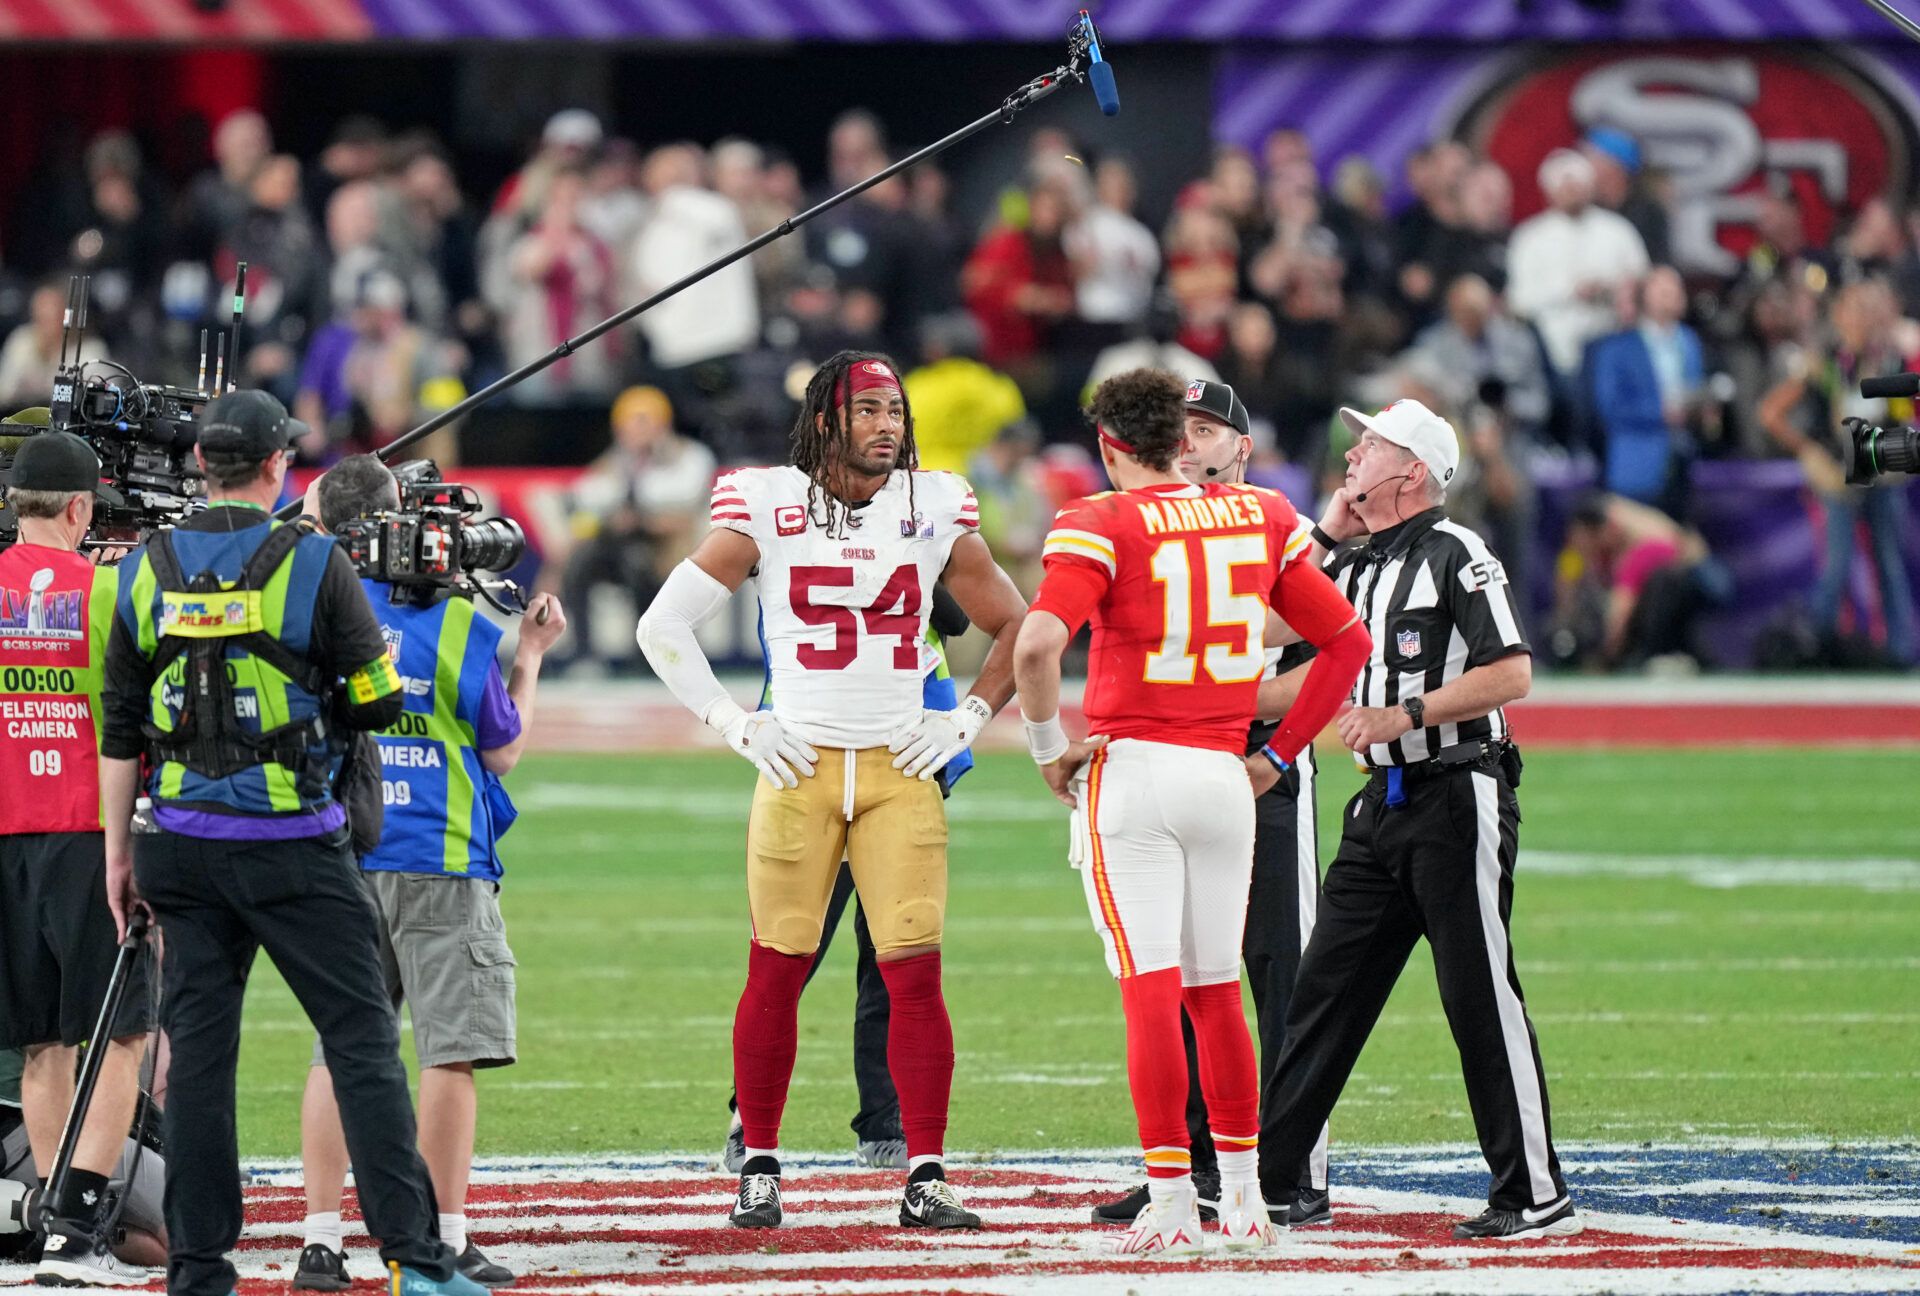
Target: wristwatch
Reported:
point(1416, 709)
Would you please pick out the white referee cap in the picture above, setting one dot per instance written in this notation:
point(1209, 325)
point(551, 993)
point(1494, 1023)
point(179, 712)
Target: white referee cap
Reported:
point(1411, 425)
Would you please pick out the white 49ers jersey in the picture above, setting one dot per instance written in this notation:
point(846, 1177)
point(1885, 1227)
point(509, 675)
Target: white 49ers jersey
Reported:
point(843, 618)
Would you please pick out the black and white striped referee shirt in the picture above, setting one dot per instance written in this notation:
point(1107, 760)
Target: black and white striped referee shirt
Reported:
point(1437, 604)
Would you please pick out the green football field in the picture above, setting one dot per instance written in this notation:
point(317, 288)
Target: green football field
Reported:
point(1719, 943)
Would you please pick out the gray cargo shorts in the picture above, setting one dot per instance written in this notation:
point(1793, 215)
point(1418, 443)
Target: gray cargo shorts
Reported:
point(443, 951)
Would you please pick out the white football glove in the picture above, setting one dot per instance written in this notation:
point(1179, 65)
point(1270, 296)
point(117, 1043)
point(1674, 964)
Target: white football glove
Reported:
point(923, 748)
point(760, 738)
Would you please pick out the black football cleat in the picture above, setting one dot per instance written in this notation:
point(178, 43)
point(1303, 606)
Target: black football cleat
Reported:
point(931, 1203)
point(1554, 1220)
point(1309, 1209)
point(758, 1205)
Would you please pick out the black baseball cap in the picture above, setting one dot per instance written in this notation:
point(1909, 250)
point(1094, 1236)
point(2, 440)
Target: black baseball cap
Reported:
point(1218, 399)
point(250, 423)
point(59, 461)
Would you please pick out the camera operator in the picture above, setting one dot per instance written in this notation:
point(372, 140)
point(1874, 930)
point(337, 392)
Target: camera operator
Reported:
point(434, 879)
point(57, 943)
point(242, 652)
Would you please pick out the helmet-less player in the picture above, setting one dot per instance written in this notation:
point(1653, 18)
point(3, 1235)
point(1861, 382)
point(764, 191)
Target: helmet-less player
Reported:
point(1286, 874)
point(1178, 580)
point(845, 544)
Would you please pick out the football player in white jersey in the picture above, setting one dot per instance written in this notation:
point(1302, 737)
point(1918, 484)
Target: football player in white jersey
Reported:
point(845, 544)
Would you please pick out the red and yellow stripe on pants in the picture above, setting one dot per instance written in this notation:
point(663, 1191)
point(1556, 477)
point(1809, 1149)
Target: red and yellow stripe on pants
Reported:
point(1102, 884)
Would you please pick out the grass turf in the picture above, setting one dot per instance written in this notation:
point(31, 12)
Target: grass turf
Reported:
point(1664, 1007)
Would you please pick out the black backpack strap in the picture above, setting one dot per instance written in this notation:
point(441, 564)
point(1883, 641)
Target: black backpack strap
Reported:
point(167, 576)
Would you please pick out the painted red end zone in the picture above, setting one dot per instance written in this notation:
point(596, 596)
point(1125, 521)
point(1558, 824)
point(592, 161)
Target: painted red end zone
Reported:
point(1705, 724)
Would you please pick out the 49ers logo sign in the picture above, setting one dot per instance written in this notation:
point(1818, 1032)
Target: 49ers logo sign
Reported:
point(1722, 123)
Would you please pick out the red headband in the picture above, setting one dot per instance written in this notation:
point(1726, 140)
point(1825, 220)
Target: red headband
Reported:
point(866, 376)
point(1113, 440)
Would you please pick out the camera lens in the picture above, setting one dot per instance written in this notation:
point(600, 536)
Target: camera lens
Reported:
point(493, 545)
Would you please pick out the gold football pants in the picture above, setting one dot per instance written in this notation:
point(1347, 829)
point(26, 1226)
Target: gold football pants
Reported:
point(890, 828)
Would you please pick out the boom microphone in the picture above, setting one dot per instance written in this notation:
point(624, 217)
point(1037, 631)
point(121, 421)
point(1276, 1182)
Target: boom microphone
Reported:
point(1891, 387)
point(1361, 498)
point(1099, 71)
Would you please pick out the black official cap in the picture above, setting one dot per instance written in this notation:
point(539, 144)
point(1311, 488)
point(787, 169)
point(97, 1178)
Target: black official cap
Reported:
point(1218, 399)
point(250, 423)
point(59, 461)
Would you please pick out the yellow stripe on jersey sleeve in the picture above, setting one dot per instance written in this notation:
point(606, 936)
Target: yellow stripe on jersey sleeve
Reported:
point(1080, 544)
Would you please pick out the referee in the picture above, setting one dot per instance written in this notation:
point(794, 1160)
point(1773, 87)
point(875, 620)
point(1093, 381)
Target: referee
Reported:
point(242, 652)
point(1427, 846)
point(1286, 863)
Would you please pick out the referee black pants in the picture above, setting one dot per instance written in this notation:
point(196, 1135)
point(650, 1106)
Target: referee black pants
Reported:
point(1439, 866)
point(218, 904)
point(1280, 909)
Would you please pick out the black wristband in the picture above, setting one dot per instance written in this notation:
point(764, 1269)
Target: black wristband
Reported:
point(1321, 538)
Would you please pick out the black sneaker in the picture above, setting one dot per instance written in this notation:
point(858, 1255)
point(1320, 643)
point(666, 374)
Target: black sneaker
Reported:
point(84, 1262)
point(931, 1203)
point(758, 1205)
point(1122, 1211)
point(475, 1265)
point(1550, 1221)
point(1308, 1209)
point(1206, 1191)
point(321, 1268)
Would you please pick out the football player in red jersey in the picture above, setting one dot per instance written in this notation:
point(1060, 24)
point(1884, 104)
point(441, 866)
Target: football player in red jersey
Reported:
point(1178, 580)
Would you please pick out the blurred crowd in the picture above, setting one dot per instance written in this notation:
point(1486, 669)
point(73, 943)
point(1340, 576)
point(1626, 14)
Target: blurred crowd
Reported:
point(382, 289)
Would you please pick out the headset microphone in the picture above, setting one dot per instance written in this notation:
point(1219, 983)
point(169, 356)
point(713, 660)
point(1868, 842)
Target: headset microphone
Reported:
point(1361, 498)
point(1213, 472)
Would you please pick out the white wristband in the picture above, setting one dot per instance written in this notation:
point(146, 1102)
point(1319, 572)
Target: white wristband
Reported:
point(976, 706)
point(1045, 739)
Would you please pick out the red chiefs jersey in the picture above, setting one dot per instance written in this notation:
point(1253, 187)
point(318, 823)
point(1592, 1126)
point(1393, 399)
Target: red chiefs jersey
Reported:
point(56, 609)
point(1186, 575)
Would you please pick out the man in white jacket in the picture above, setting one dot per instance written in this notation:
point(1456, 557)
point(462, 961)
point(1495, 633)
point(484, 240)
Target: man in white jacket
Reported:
point(1565, 265)
point(689, 226)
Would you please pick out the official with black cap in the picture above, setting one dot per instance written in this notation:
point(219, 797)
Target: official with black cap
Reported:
point(242, 652)
point(1286, 864)
point(1427, 846)
point(57, 945)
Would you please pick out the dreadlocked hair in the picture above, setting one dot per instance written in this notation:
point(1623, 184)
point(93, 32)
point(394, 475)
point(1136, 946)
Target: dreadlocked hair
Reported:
point(1147, 409)
point(822, 438)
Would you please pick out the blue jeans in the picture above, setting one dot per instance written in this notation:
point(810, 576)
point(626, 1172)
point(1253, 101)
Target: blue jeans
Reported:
point(1885, 511)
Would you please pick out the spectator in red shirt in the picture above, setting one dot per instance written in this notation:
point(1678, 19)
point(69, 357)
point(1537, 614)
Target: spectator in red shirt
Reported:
point(1019, 285)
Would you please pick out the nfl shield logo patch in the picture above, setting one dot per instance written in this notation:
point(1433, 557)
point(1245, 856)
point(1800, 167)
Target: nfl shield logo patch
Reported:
point(392, 638)
point(1408, 642)
point(1196, 389)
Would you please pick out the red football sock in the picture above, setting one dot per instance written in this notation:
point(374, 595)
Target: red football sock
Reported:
point(766, 1031)
point(919, 1050)
point(1157, 1069)
point(1229, 1077)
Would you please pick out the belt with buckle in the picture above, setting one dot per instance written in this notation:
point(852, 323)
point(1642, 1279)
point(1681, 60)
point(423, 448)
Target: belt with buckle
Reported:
point(1481, 754)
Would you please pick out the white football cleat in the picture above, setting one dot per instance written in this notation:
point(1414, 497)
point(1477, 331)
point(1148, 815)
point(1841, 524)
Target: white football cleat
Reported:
point(1245, 1224)
point(1170, 1228)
